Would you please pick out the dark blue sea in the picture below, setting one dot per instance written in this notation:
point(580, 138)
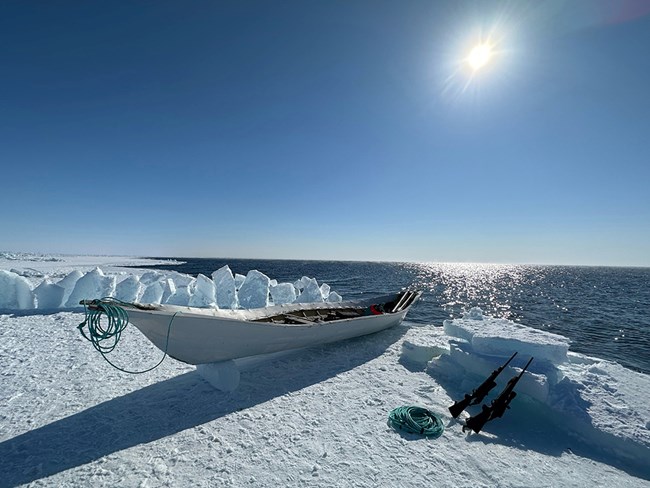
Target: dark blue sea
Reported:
point(605, 311)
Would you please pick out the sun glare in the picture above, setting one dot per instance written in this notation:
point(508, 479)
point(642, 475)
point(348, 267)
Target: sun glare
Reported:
point(471, 60)
point(479, 56)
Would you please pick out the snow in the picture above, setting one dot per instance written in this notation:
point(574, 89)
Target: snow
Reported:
point(312, 417)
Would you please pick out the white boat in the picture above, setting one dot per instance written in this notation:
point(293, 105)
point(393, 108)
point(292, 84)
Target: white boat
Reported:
point(205, 335)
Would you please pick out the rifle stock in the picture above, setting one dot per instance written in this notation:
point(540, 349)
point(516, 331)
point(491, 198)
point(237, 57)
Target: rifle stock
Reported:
point(460, 405)
point(477, 422)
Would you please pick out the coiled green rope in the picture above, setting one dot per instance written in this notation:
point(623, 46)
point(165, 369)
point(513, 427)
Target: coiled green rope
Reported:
point(416, 420)
point(105, 338)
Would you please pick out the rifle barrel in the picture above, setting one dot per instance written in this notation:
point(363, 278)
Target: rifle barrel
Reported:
point(526, 367)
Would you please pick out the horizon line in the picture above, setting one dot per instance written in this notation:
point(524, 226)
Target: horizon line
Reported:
point(391, 261)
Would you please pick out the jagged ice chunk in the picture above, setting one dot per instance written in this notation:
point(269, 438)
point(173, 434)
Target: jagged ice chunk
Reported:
point(93, 284)
point(49, 295)
point(254, 292)
point(283, 293)
point(225, 288)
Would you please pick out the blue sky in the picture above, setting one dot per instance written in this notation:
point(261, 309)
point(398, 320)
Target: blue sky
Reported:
point(327, 130)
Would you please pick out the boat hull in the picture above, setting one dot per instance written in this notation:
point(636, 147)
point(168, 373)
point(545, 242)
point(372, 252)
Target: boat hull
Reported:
point(197, 336)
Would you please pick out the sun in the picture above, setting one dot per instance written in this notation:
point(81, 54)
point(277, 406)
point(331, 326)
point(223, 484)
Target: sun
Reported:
point(479, 56)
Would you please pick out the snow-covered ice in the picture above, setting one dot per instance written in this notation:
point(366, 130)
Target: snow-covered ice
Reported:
point(312, 417)
point(495, 337)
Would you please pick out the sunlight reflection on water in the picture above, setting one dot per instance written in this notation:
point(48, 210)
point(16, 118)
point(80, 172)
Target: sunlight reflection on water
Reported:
point(604, 311)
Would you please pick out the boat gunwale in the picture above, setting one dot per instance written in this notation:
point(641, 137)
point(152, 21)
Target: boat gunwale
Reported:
point(256, 316)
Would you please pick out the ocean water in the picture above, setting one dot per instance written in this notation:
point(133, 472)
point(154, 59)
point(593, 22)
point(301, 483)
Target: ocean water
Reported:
point(605, 311)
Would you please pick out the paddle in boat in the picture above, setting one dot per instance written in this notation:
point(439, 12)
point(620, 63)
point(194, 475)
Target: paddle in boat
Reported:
point(207, 335)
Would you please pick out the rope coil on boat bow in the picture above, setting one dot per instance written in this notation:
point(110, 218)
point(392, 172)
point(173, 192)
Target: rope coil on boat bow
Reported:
point(98, 334)
point(105, 337)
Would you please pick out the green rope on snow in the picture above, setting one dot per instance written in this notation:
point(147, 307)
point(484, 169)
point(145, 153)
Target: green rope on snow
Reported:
point(105, 337)
point(416, 420)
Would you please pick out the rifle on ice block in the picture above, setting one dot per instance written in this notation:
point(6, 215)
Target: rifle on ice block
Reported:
point(498, 406)
point(479, 393)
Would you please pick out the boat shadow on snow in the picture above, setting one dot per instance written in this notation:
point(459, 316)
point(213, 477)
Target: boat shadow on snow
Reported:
point(174, 405)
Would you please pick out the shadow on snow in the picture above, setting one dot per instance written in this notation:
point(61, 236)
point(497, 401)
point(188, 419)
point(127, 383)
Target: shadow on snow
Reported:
point(171, 406)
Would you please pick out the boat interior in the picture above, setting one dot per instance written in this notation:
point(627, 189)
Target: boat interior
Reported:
point(401, 302)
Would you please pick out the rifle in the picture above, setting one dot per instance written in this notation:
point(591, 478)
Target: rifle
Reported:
point(479, 393)
point(498, 406)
